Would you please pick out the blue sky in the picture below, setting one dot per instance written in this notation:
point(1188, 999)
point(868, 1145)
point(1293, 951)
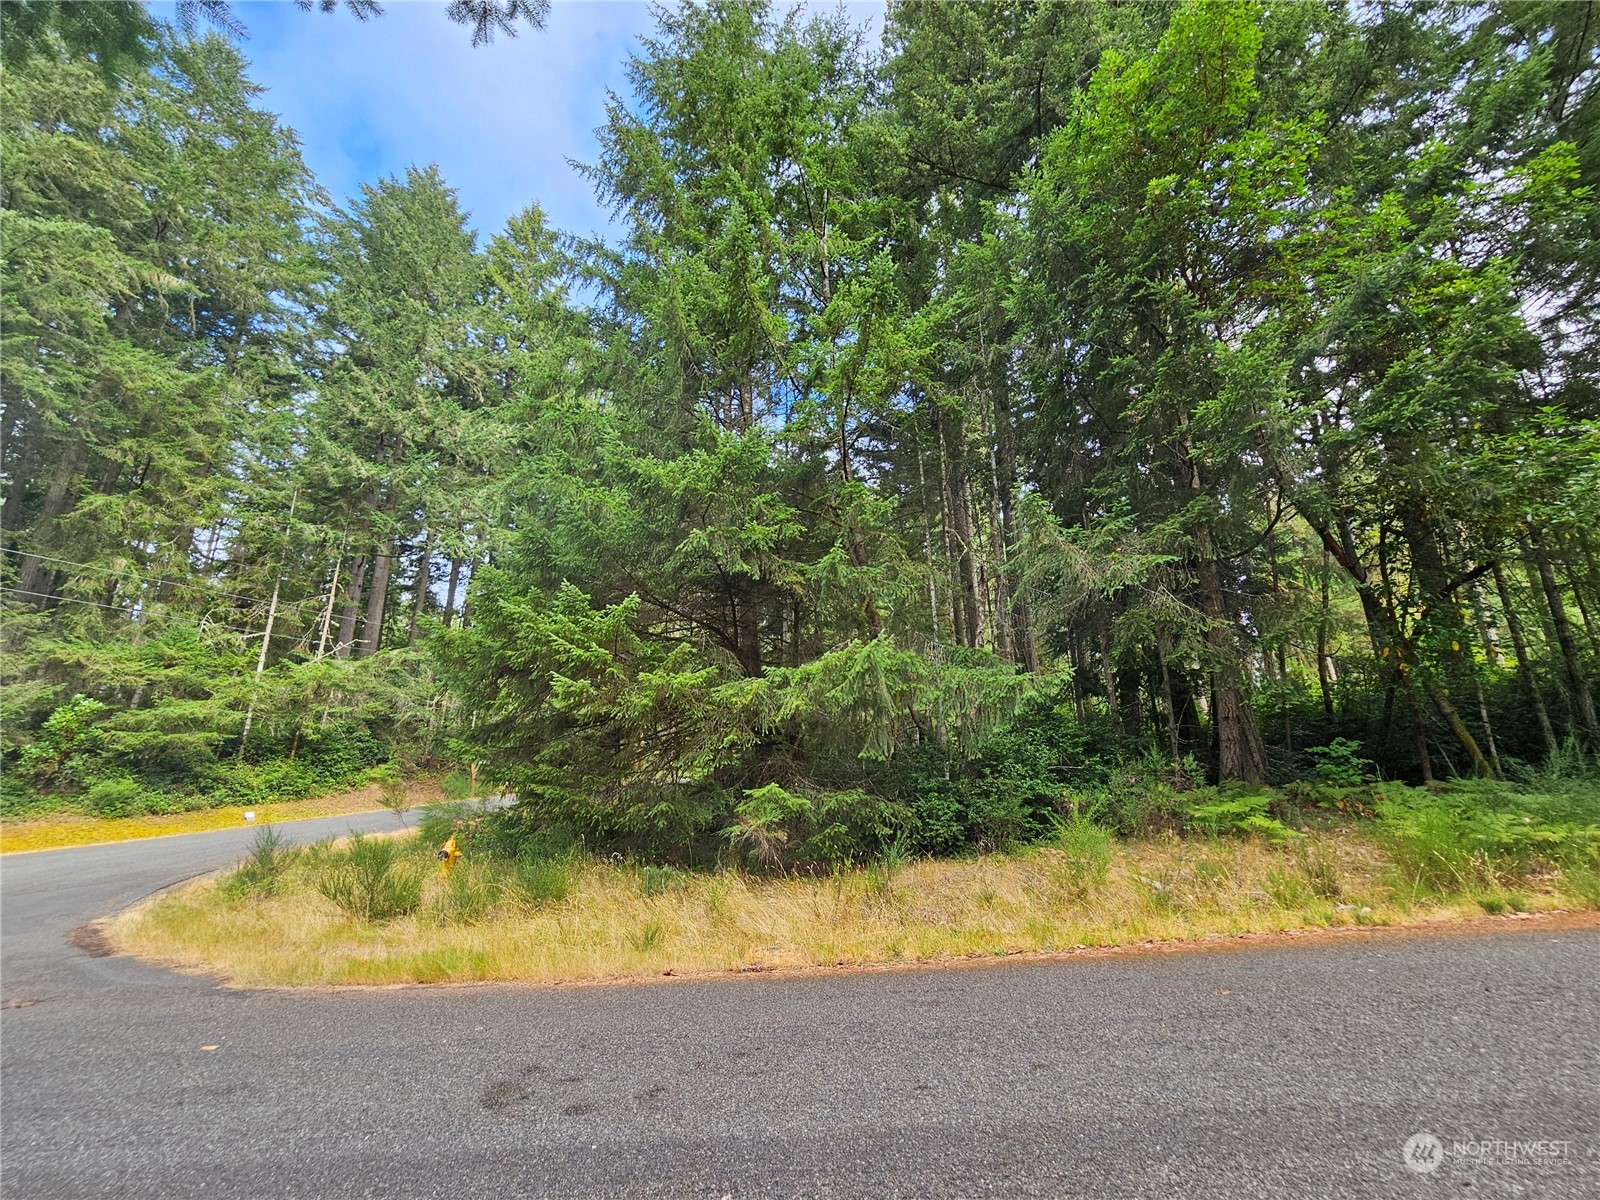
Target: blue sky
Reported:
point(408, 87)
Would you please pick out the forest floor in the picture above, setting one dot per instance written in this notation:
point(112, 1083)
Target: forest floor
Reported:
point(76, 829)
point(601, 921)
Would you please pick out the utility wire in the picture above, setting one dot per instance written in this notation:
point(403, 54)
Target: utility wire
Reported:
point(211, 591)
point(117, 608)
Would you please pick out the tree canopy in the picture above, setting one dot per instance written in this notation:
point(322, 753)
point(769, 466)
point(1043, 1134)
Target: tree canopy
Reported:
point(1045, 386)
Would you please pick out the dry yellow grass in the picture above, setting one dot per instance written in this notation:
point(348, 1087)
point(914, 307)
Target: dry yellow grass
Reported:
point(608, 929)
point(53, 833)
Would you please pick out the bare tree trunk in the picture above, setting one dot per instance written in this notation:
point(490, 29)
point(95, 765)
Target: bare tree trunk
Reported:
point(927, 542)
point(1575, 582)
point(327, 615)
point(1381, 617)
point(377, 601)
point(34, 577)
point(466, 603)
point(419, 590)
point(997, 558)
point(261, 665)
point(1583, 702)
point(1421, 733)
point(1006, 447)
point(959, 525)
point(1530, 680)
point(1322, 644)
point(352, 608)
point(972, 596)
point(1241, 754)
point(450, 592)
point(1171, 712)
point(1488, 729)
point(1108, 676)
point(1076, 652)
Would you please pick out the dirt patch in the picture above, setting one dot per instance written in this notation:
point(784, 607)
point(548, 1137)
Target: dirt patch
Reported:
point(92, 940)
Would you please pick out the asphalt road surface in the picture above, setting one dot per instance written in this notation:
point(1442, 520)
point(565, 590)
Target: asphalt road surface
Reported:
point(1295, 1070)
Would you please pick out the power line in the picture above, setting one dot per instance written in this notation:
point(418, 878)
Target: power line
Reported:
point(116, 608)
point(199, 587)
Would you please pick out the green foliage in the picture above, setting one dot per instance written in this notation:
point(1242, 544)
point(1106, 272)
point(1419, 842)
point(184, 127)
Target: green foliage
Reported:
point(1339, 762)
point(469, 891)
point(116, 798)
point(1071, 406)
point(542, 880)
point(371, 880)
point(1136, 798)
point(1480, 833)
point(1217, 813)
point(1086, 850)
point(262, 870)
point(67, 746)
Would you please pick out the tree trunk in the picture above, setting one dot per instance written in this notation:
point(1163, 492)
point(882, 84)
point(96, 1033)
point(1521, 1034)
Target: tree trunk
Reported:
point(959, 508)
point(1530, 680)
point(450, 592)
point(34, 576)
point(1420, 732)
point(1167, 701)
point(327, 617)
point(1322, 644)
point(1108, 677)
point(1408, 659)
point(1241, 754)
point(935, 624)
point(261, 665)
point(1006, 448)
point(352, 608)
point(419, 590)
point(1488, 729)
point(377, 601)
point(971, 595)
point(1583, 703)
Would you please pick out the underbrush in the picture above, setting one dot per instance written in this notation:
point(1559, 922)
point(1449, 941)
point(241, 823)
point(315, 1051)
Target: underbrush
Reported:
point(539, 907)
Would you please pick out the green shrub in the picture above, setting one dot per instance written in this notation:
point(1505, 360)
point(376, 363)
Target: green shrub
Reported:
point(371, 880)
point(1477, 831)
point(1216, 814)
point(1423, 836)
point(68, 745)
point(1340, 762)
point(469, 892)
point(1086, 850)
point(263, 867)
point(116, 798)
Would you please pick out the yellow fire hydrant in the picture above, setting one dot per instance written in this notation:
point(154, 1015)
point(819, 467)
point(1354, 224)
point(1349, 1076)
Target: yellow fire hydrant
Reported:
point(448, 854)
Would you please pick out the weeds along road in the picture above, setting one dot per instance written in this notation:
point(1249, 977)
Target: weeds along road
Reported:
point(1296, 1070)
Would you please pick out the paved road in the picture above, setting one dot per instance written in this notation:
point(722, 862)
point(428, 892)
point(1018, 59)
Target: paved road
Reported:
point(1293, 1071)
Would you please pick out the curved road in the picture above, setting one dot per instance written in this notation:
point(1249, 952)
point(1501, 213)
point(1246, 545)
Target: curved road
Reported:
point(1295, 1070)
